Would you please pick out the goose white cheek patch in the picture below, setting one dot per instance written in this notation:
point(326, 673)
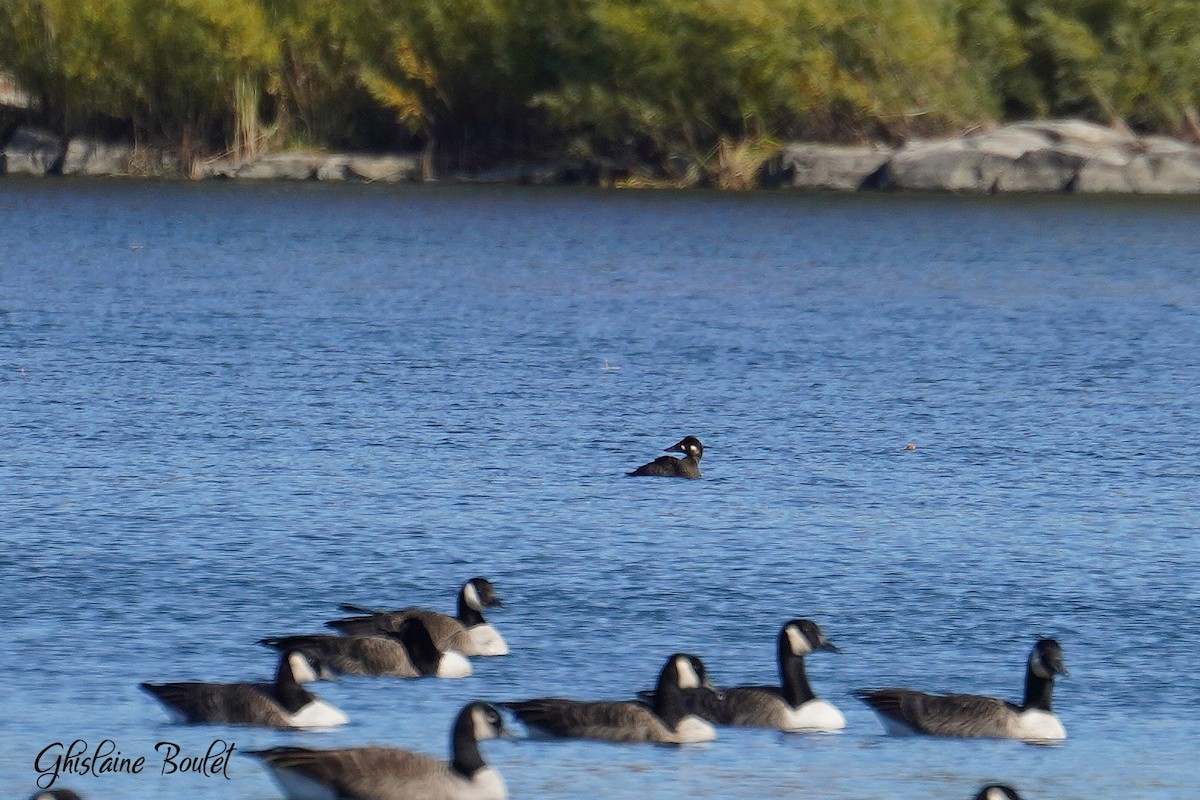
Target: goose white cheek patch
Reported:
point(472, 597)
point(688, 679)
point(302, 669)
point(797, 641)
point(483, 728)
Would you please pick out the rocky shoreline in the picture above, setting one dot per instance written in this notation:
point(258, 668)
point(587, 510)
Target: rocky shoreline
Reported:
point(1052, 156)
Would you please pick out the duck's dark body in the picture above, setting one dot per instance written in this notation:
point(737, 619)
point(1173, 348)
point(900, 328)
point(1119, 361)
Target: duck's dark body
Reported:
point(668, 467)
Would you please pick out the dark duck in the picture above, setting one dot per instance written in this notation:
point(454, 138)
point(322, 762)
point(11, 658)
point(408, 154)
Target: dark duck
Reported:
point(668, 467)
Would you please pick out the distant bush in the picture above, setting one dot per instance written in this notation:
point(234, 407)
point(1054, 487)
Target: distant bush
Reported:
point(711, 81)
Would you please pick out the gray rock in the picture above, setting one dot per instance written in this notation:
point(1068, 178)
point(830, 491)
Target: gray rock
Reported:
point(219, 168)
point(1102, 176)
point(384, 168)
point(1163, 169)
point(334, 168)
point(93, 157)
point(807, 165)
point(1161, 145)
point(1046, 156)
point(1010, 142)
point(282, 166)
point(32, 151)
point(1076, 132)
point(1154, 173)
point(1044, 170)
point(948, 165)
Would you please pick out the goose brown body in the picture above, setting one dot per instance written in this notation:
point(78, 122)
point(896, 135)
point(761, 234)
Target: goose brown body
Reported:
point(666, 721)
point(408, 653)
point(467, 632)
point(281, 704)
point(382, 773)
point(966, 715)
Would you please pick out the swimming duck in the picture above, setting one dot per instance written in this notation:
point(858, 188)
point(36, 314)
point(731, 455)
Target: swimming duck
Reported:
point(667, 467)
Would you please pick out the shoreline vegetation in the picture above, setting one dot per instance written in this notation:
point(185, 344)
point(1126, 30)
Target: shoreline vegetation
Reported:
point(735, 94)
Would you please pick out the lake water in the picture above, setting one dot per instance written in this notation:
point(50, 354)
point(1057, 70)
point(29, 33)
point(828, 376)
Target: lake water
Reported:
point(227, 408)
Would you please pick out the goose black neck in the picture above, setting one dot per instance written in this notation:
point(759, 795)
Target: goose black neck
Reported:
point(290, 694)
point(796, 690)
point(466, 615)
point(668, 698)
point(422, 652)
point(465, 758)
point(1037, 690)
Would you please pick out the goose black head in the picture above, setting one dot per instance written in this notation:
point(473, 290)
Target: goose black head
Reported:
point(487, 721)
point(305, 668)
point(685, 671)
point(997, 791)
point(1046, 660)
point(480, 594)
point(804, 636)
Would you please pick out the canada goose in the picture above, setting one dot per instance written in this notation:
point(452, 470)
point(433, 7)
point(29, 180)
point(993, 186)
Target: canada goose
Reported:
point(667, 467)
point(407, 653)
point(282, 704)
point(56, 794)
point(666, 721)
point(468, 632)
point(904, 711)
point(382, 773)
point(997, 791)
point(792, 707)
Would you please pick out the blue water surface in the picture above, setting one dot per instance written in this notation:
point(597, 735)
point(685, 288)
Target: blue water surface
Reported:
point(227, 408)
